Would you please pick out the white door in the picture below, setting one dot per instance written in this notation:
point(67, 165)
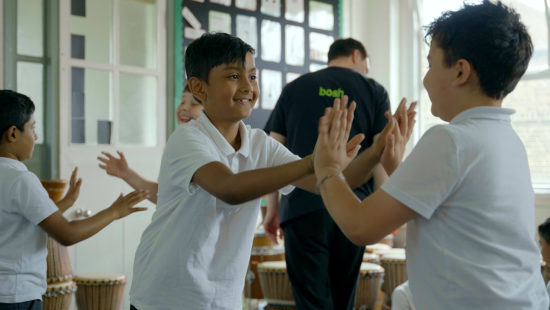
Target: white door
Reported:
point(112, 89)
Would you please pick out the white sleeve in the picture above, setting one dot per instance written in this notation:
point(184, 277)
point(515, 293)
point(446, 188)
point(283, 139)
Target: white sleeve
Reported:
point(31, 199)
point(280, 155)
point(186, 151)
point(429, 175)
point(400, 298)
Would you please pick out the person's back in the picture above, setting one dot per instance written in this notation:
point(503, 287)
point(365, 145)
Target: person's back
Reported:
point(316, 273)
point(488, 217)
point(304, 101)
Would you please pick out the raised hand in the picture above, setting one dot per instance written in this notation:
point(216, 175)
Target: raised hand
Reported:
point(124, 205)
point(402, 124)
point(332, 152)
point(404, 119)
point(72, 194)
point(114, 166)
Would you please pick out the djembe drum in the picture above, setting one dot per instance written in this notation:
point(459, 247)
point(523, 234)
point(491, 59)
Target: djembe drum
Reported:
point(371, 258)
point(276, 285)
point(100, 291)
point(58, 296)
point(395, 266)
point(368, 289)
point(262, 251)
point(376, 247)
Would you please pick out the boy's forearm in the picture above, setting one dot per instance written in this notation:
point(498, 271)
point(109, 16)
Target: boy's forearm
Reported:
point(64, 204)
point(249, 185)
point(360, 170)
point(83, 229)
point(138, 182)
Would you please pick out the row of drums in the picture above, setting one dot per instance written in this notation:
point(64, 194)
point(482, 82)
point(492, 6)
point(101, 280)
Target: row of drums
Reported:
point(383, 269)
point(94, 291)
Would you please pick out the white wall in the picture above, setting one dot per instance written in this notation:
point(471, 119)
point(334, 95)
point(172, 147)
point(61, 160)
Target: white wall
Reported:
point(389, 29)
point(2, 44)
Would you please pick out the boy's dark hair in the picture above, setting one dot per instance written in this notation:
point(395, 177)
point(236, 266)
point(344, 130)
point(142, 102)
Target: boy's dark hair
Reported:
point(212, 50)
point(345, 48)
point(15, 110)
point(491, 37)
point(544, 230)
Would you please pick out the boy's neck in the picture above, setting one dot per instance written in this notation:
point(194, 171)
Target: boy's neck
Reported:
point(7, 154)
point(474, 100)
point(229, 130)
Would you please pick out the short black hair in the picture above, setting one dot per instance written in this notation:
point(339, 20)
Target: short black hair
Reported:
point(212, 50)
point(16, 110)
point(544, 230)
point(345, 48)
point(491, 37)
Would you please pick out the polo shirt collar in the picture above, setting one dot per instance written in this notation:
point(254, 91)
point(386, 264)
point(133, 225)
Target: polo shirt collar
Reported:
point(220, 141)
point(14, 163)
point(494, 113)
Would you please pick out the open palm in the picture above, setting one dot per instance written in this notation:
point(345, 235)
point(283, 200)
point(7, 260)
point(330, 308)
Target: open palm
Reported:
point(114, 166)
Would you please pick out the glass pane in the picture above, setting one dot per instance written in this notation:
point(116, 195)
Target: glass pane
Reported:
point(30, 28)
point(92, 32)
point(138, 109)
point(533, 16)
point(91, 106)
point(138, 33)
point(30, 82)
point(531, 100)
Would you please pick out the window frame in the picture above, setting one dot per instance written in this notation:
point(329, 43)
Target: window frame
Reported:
point(116, 69)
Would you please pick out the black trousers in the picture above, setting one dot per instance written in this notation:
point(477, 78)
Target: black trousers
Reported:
point(27, 305)
point(322, 264)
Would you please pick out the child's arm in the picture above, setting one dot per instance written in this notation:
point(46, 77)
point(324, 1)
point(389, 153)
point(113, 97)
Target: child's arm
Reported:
point(217, 179)
point(69, 233)
point(119, 168)
point(72, 194)
point(379, 214)
point(360, 170)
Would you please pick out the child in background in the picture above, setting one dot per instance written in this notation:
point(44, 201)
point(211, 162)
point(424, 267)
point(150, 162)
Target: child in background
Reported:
point(27, 213)
point(465, 190)
point(189, 109)
point(544, 241)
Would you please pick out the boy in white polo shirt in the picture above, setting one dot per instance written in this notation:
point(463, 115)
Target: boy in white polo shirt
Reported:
point(27, 213)
point(466, 188)
point(195, 252)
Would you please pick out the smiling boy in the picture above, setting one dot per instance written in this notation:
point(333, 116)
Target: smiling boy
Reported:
point(465, 190)
point(195, 252)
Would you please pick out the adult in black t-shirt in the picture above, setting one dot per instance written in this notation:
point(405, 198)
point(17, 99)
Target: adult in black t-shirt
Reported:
point(323, 265)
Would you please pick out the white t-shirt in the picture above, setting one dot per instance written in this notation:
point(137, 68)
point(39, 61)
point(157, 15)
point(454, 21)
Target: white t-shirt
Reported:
point(401, 298)
point(473, 244)
point(24, 203)
point(195, 253)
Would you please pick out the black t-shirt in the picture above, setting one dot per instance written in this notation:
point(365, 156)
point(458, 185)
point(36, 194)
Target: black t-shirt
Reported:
point(296, 116)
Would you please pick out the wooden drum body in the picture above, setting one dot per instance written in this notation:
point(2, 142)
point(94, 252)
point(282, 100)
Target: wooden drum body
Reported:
point(100, 291)
point(395, 266)
point(58, 296)
point(262, 251)
point(55, 188)
point(59, 264)
point(370, 281)
point(276, 285)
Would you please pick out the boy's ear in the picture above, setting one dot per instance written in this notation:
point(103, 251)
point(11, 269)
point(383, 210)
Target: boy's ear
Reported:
point(11, 134)
point(356, 56)
point(463, 72)
point(197, 88)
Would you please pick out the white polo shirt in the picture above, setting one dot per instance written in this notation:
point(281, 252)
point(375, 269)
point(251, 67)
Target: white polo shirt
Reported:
point(401, 298)
point(195, 253)
point(473, 244)
point(24, 203)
